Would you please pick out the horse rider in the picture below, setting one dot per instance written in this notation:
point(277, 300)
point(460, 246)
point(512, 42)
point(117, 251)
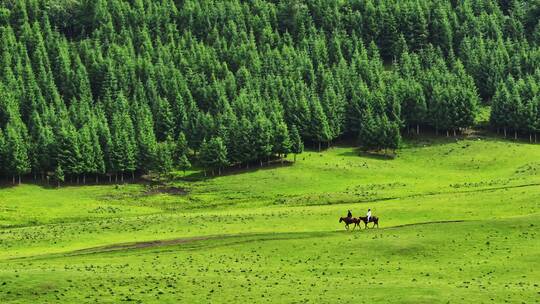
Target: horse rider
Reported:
point(368, 215)
point(349, 214)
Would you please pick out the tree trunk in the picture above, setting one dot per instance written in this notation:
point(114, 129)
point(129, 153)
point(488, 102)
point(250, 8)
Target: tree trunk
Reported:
point(110, 179)
point(535, 138)
point(97, 179)
point(504, 129)
point(13, 179)
point(132, 176)
point(261, 162)
point(122, 177)
point(219, 171)
point(19, 179)
point(77, 179)
point(447, 133)
point(530, 137)
point(84, 179)
point(417, 129)
point(515, 135)
point(319, 146)
point(454, 132)
point(116, 178)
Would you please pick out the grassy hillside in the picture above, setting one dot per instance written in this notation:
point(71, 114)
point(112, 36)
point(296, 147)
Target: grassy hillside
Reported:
point(459, 221)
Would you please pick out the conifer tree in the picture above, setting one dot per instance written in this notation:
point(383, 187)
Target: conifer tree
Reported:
point(220, 152)
point(205, 156)
point(297, 146)
point(88, 163)
point(183, 163)
point(123, 147)
point(261, 138)
point(164, 123)
point(146, 139)
point(164, 162)
point(213, 155)
point(42, 145)
point(282, 141)
point(68, 153)
point(413, 103)
point(99, 167)
point(59, 175)
point(181, 148)
point(3, 150)
point(243, 144)
point(319, 128)
point(369, 131)
point(16, 152)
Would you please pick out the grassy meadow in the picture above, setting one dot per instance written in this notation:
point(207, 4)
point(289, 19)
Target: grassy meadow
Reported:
point(459, 222)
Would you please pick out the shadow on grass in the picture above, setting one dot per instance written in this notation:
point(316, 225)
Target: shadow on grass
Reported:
point(154, 181)
point(431, 139)
point(200, 175)
point(379, 155)
point(5, 184)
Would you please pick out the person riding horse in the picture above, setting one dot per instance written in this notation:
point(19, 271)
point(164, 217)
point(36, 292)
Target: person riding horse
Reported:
point(369, 219)
point(350, 220)
point(349, 214)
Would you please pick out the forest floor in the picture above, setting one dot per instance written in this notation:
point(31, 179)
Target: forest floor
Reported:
point(459, 221)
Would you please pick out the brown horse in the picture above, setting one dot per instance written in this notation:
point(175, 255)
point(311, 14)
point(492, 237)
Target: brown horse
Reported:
point(373, 219)
point(350, 220)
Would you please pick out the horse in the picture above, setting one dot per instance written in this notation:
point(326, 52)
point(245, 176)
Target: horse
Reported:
point(373, 219)
point(350, 220)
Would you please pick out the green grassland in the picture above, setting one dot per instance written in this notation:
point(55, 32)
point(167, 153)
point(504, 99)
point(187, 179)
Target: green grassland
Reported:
point(459, 222)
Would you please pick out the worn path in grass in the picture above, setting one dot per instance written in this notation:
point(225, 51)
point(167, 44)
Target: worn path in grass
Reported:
point(254, 237)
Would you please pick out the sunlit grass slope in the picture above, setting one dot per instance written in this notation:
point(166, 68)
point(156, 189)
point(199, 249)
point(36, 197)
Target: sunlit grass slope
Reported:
point(460, 221)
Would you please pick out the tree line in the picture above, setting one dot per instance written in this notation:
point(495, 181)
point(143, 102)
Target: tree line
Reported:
point(113, 88)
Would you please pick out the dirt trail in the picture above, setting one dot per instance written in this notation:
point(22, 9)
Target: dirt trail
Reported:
point(171, 242)
point(235, 239)
point(425, 223)
point(146, 244)
point(241, 238)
